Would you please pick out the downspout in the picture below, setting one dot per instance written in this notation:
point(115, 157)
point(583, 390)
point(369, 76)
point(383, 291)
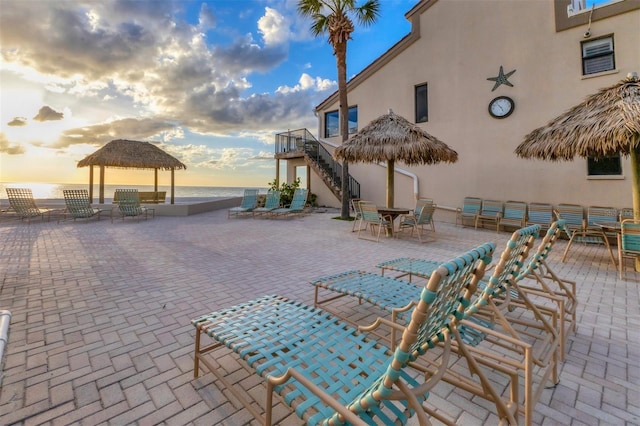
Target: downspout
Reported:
point(5, 319)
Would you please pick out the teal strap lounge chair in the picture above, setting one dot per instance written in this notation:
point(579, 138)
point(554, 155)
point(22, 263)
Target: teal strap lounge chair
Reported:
point(271, 203)
point(491, 211)
point(129, 205)
point(297, 206)
point(469, 210)
point(328, 371)
point(21, 202)
point(79, 205)
point(248, 203)
point(515, 214)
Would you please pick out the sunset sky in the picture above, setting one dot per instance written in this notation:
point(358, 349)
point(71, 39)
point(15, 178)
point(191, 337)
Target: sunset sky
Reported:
point(212, 82)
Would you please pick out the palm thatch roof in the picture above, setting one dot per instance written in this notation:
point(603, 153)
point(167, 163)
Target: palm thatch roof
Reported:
point(604, 124)
point(132, 155)
point(391, 137)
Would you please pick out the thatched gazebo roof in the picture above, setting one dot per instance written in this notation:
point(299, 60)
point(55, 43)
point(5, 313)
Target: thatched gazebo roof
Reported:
point(125, 154)
point(391, 137)
point(606, 123)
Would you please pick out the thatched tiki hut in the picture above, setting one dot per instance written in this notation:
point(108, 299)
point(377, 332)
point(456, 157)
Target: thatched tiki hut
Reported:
point(127, 154)
point(391, 137)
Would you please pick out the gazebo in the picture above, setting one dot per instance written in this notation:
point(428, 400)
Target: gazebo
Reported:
point(125, 154)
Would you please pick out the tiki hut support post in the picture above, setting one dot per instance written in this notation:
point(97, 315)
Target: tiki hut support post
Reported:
point(173, 181)
point(635, 182)
point(390, 183)
point(155, 179)
point(91, 184)
point(101, 184)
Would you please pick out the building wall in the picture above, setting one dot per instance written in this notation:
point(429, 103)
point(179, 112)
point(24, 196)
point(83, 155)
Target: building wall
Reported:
point(462, 43)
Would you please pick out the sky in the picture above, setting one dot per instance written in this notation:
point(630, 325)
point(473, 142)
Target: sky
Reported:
point(211, 82)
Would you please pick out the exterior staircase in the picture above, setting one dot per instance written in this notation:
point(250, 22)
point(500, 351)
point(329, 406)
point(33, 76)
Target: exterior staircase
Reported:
point(301, 143)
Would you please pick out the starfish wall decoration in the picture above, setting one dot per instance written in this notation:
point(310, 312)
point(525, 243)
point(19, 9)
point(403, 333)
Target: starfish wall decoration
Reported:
point(502, 78)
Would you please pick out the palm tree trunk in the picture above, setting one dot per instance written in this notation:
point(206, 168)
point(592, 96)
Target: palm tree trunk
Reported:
point(341, 59)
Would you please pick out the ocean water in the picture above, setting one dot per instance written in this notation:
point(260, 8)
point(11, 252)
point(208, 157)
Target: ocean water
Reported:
point(54, 190)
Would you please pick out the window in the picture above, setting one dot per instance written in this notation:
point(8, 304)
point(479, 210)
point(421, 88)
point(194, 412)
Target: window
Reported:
point(332, 122)
point(604, 166)
point(598, 56)
point(422, 108)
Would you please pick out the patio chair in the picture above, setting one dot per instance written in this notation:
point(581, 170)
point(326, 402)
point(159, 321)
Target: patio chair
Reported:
point(129, 205)
point(328, 371)
point(373, 220)
point(248, 203)
point(421, 216)
point(628, 244)
point(470, 208)
point(625, 213)
point(540, 214)
point(576, 229)
point(271, 203)
point(491, 211)
point(24, 206)
point(354, 204)
point(515, 214)
point(79, 205)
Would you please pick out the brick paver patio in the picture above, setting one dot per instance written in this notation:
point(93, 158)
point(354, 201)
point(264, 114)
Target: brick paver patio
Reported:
point(100, 330)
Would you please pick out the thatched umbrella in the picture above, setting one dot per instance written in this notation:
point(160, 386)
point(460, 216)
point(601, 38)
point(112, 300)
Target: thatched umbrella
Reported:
point(604, 124)
point(391, 137)
point(127, 154)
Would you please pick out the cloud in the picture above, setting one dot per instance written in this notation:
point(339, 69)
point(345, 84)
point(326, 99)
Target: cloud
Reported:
point(306, 82)
point(7, 147)
point(206, 19)
point(48, 114)
point(274, 27)
point(18, 121)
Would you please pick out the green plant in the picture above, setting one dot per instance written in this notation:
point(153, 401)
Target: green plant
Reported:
point(286, 190)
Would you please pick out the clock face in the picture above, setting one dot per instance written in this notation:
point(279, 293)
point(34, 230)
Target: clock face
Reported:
point(501, 107)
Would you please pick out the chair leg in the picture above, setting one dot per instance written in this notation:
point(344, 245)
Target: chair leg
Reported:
point(566, 250)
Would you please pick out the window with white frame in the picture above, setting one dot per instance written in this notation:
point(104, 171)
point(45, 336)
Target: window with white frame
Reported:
point(598, 55)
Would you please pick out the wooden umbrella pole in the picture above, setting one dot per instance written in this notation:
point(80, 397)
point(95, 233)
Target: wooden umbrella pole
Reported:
point(390, 183)
point(635, 182)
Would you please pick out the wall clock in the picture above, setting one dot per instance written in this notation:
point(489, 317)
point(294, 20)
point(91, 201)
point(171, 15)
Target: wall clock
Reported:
point(501, 107)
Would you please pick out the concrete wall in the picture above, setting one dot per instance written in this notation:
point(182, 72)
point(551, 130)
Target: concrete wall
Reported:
point(461, 44)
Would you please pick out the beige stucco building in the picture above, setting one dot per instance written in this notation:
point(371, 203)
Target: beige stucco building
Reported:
point(543, 55)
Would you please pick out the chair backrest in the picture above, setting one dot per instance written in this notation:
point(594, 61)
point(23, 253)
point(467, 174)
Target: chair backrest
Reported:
point(77, 202)
point(421, 202)
point(438, 307)
point(597, 214)
point(128, 201)
point(544, 248)
point(299, 199)
point(471, 205)
point(515, 210)
point(540, 214)
point(249, 199)
point(508, 268)
point(369, 212)
point(22, 202)
point(491, 208)
point(273, 200)
point(626, 213)
point(573, 215)
point(425, 215)
point(630, 236)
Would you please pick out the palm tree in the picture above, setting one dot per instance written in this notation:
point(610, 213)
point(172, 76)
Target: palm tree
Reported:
point(334, 17)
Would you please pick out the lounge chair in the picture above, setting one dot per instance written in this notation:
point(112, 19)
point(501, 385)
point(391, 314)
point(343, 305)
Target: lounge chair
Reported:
point(540, 214)
point(373, 220)
point(24, 206)
point(271, 203)
point(248, 203)
point(327, 370)
point(491, 211)
point(421, 216)
point(515, 214)
point(79, 205)
point(129, 205)
point(628, 244)
point(470, 208)
point(297, 206)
